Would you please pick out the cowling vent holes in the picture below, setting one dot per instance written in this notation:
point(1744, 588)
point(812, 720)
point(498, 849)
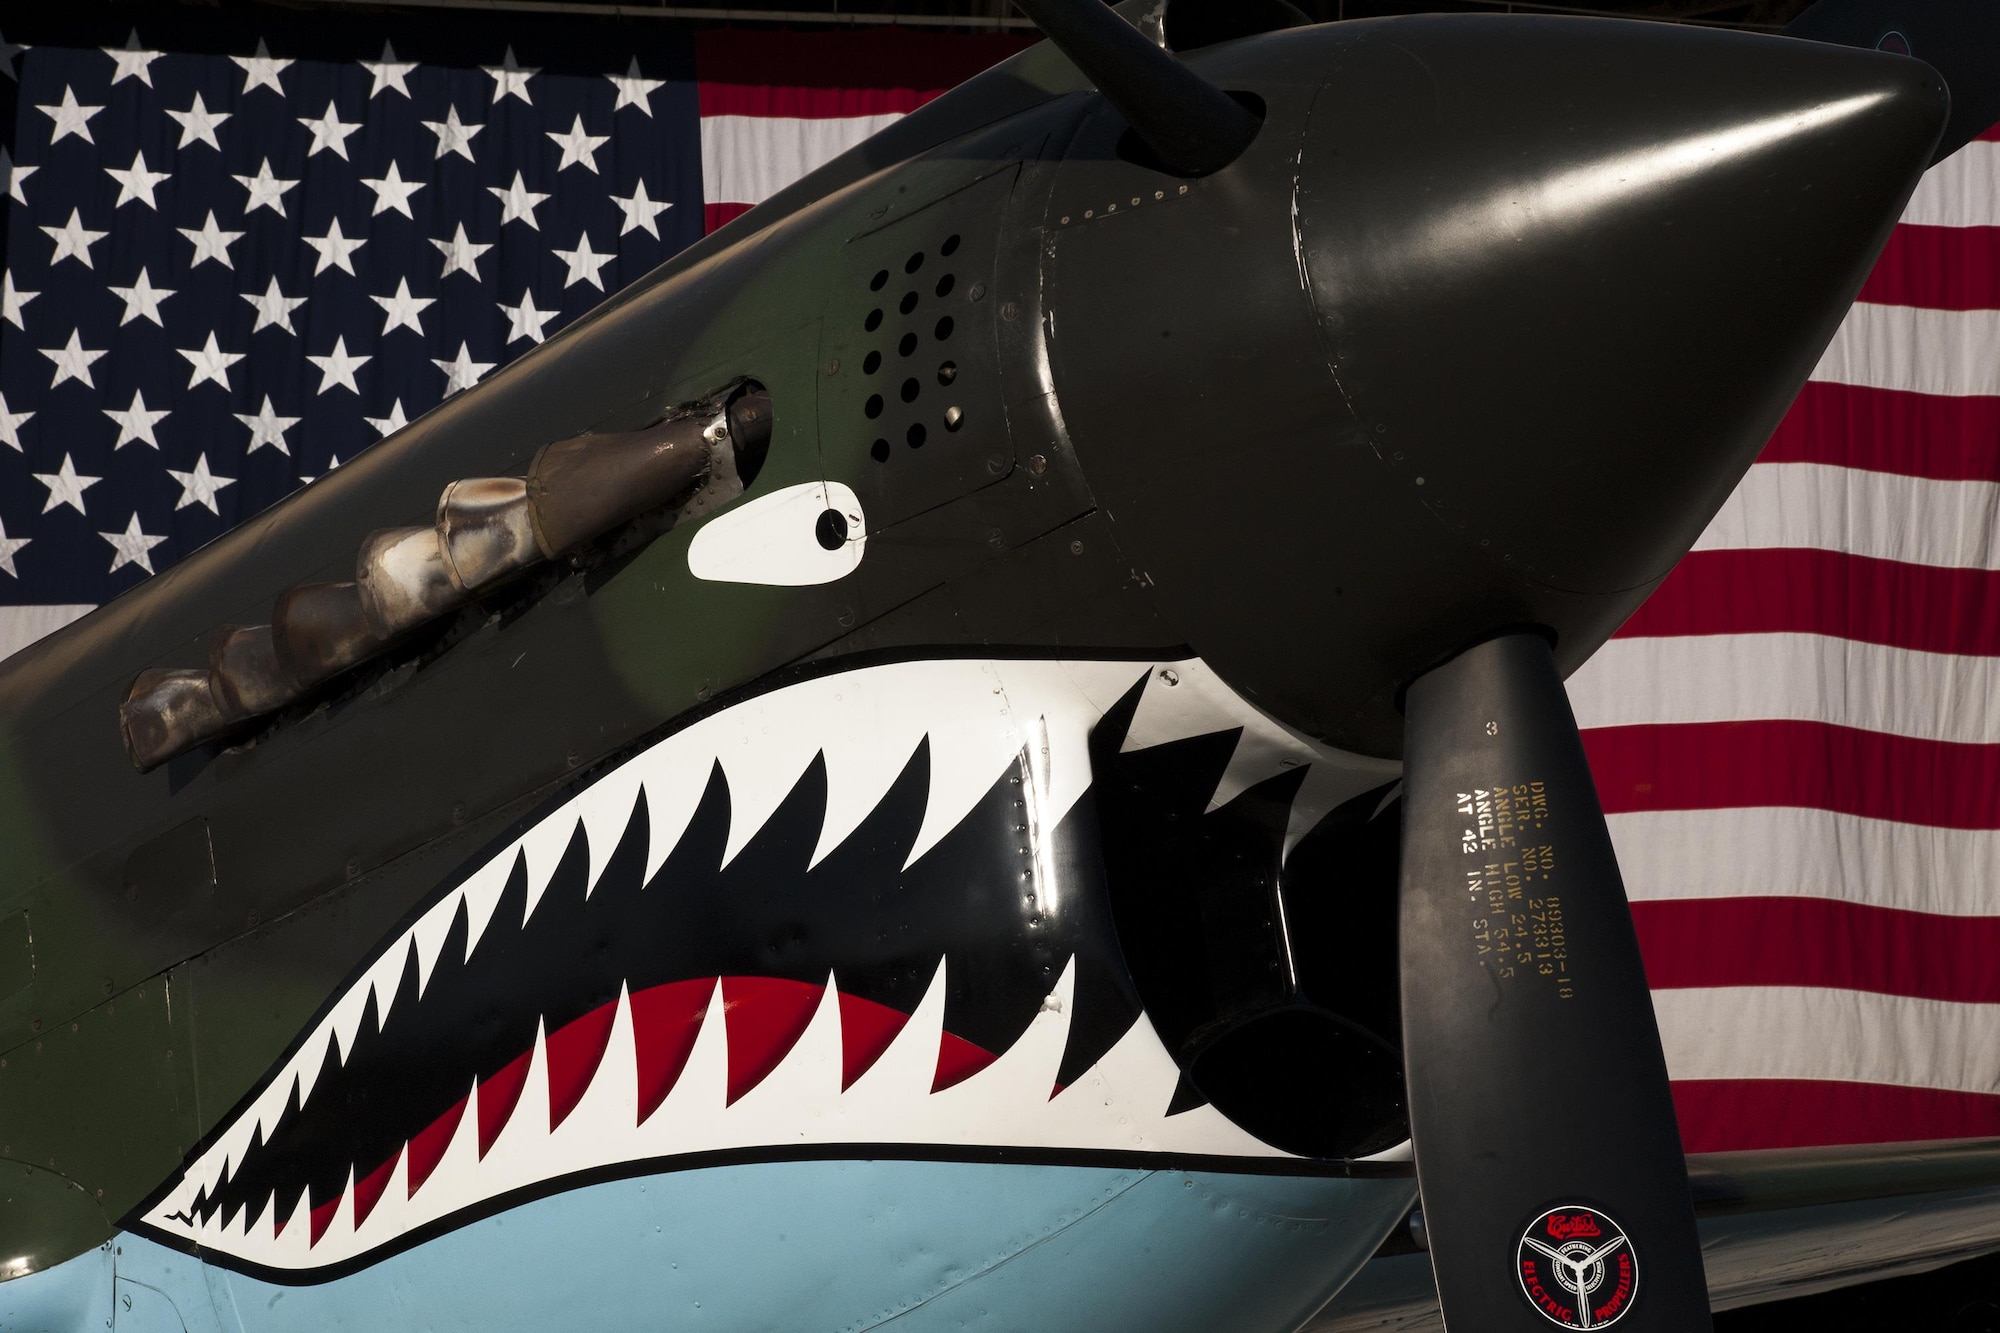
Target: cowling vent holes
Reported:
point(951, 417)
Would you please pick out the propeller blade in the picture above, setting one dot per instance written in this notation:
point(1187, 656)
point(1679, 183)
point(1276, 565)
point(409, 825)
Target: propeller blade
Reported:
point(1960, 39)
point(1192, 125)
point(1554, 1186)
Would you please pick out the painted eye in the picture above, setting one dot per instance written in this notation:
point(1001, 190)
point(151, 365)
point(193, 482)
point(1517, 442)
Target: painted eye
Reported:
point(812, 533)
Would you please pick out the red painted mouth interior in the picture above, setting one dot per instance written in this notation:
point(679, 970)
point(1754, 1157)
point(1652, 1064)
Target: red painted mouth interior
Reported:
point(763, 1019)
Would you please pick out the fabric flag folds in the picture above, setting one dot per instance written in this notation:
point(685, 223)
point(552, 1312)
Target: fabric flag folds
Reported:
point(1797, 738)
point(776, 105)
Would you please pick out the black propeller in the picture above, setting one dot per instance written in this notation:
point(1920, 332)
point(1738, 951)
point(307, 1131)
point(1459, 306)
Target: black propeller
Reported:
point(1190, 124)
point(1554, 1187)
point(1957, 38)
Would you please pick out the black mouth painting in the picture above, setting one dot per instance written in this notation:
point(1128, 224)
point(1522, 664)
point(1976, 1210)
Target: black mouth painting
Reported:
point(1003, 908)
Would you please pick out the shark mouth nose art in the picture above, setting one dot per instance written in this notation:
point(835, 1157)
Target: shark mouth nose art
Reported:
point(863, 909)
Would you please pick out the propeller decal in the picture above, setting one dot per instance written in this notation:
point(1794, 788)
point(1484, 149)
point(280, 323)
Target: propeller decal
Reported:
point(1578, 1267)
point(1530, 1047)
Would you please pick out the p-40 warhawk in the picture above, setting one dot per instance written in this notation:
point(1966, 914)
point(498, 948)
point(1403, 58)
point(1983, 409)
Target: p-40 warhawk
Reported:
point(986, 746)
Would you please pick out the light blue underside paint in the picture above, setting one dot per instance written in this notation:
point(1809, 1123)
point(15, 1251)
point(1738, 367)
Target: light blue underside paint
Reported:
point(839, 1246)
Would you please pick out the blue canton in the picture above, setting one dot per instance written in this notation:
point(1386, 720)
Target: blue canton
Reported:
point(235, 257)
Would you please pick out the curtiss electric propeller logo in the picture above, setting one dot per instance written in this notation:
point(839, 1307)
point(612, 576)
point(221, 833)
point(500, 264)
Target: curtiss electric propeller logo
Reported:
point(1578, 1267)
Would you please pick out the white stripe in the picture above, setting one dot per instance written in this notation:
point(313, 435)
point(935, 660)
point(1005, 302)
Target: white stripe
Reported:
point(1882, 514)
point(1961, 191)
point(1819, 1033)
point(1951, 352)
point(22, 625)
point(1802, 677)
point(1784, 852)
point(747, 159)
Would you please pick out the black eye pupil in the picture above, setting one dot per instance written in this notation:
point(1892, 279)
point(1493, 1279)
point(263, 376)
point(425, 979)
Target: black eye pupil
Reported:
point(831, 529)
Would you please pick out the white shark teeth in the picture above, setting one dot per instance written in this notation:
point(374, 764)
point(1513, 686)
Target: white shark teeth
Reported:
point(977, 718)
point(543, 849)
point(481, 895)
point(673, 791)
point(1189, 699)
point(428, 936)
point(1120, 1104)
point(352, 1010)
point(605, 819)
point(858, 778)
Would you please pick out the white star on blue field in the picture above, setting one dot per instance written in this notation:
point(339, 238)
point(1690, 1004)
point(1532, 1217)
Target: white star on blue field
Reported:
point(241, 249)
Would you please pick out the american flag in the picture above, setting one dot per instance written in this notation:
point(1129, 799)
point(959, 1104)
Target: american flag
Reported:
point(239, 250)
point(1797, 738)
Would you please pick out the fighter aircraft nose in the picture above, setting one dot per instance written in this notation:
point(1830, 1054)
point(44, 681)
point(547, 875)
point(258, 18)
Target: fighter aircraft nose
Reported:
point(1570, 274)
point(1478, 332)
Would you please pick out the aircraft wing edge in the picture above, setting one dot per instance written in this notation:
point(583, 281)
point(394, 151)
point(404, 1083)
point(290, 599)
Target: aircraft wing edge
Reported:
point(1775, 1224)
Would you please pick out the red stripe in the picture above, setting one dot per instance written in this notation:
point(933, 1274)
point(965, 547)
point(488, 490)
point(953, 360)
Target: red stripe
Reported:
point(1718, 765)
point(1991, 132)
point(1818, 942)
point(760, 99)
point(746, 72)
point(1888, 430)
point(1858, 597)
point(717, 214)
point(1730, 1115)
point(1946, 268)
